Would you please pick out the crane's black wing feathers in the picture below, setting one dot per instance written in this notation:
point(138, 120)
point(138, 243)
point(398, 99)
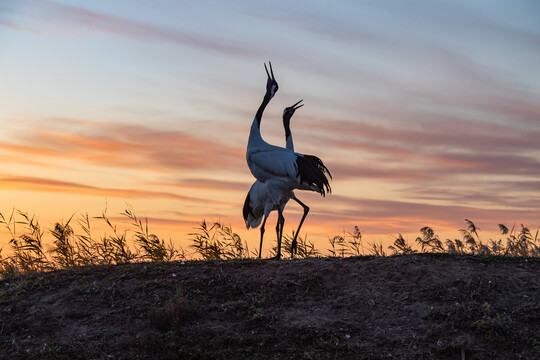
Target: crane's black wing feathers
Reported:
point(312, 171)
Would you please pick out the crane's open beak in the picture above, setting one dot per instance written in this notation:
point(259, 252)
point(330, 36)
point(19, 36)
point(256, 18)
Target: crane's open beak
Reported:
point(294, 107)
point(271, 71)
point(289, 111)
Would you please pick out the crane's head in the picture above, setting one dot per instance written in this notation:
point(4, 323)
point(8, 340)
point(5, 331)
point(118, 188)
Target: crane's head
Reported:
point(289, 111)
point(271, 83)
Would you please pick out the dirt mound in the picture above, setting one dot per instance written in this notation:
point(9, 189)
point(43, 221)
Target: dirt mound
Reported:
point(411, 307)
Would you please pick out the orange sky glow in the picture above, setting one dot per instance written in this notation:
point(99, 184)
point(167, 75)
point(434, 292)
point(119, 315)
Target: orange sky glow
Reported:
point(149, 104)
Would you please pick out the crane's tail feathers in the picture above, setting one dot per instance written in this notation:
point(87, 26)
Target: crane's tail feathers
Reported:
point(253, 222)
point(246, 211)
point(249, 217)
point(312, 172)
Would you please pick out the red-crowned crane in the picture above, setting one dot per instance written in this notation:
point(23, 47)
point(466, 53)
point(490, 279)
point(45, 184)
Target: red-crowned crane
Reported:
point(258, 204)
point(280, 169)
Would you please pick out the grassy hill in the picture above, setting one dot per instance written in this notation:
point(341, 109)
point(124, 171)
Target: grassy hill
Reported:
point(408, 306)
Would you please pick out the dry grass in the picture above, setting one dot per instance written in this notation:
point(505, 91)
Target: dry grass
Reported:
point(74, 245)
point(218, 242)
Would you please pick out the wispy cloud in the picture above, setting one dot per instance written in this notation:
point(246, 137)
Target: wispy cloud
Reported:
point(424, 149)
point(75, 18)
point(205, 183)
point(409, 216)
point(443, 74)
point(130, 146)
point(463, 16)
point(50, 185)
point(523, 195)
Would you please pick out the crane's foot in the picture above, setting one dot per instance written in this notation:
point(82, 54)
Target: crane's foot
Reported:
point(277, 257)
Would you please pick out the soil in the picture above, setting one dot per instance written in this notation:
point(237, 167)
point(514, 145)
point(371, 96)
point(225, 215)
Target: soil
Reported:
point(402, 307)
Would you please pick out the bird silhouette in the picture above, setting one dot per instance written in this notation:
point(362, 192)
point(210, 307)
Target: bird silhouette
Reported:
point(280, 169)
point(258, 204)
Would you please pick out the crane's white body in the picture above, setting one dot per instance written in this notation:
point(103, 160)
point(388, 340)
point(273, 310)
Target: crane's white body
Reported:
point(274, 166)
point(261, 204)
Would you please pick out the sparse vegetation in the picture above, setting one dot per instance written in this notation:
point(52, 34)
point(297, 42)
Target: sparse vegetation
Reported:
point(517, 243)
point(152, 248)
point(492, 325)
point(74, 245)
point(175, 313)
point(218, 242)
point(305, 248)
point(71, 248)
point(350, 244)
point(401, 246)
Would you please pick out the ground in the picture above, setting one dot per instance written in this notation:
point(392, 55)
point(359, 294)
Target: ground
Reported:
point(404, 307)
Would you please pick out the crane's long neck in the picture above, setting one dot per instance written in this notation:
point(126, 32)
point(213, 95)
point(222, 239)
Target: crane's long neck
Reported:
point(255, 131)
point(288, 135)
point(259, 114)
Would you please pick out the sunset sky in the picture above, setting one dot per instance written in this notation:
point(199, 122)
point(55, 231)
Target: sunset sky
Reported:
point(426, 112)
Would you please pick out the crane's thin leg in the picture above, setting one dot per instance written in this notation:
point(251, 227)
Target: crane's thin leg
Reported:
point(281, 223)
point(262, 235)
point(279, 233)
point(275, 196)
point(277, 228)
point(306, 210)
